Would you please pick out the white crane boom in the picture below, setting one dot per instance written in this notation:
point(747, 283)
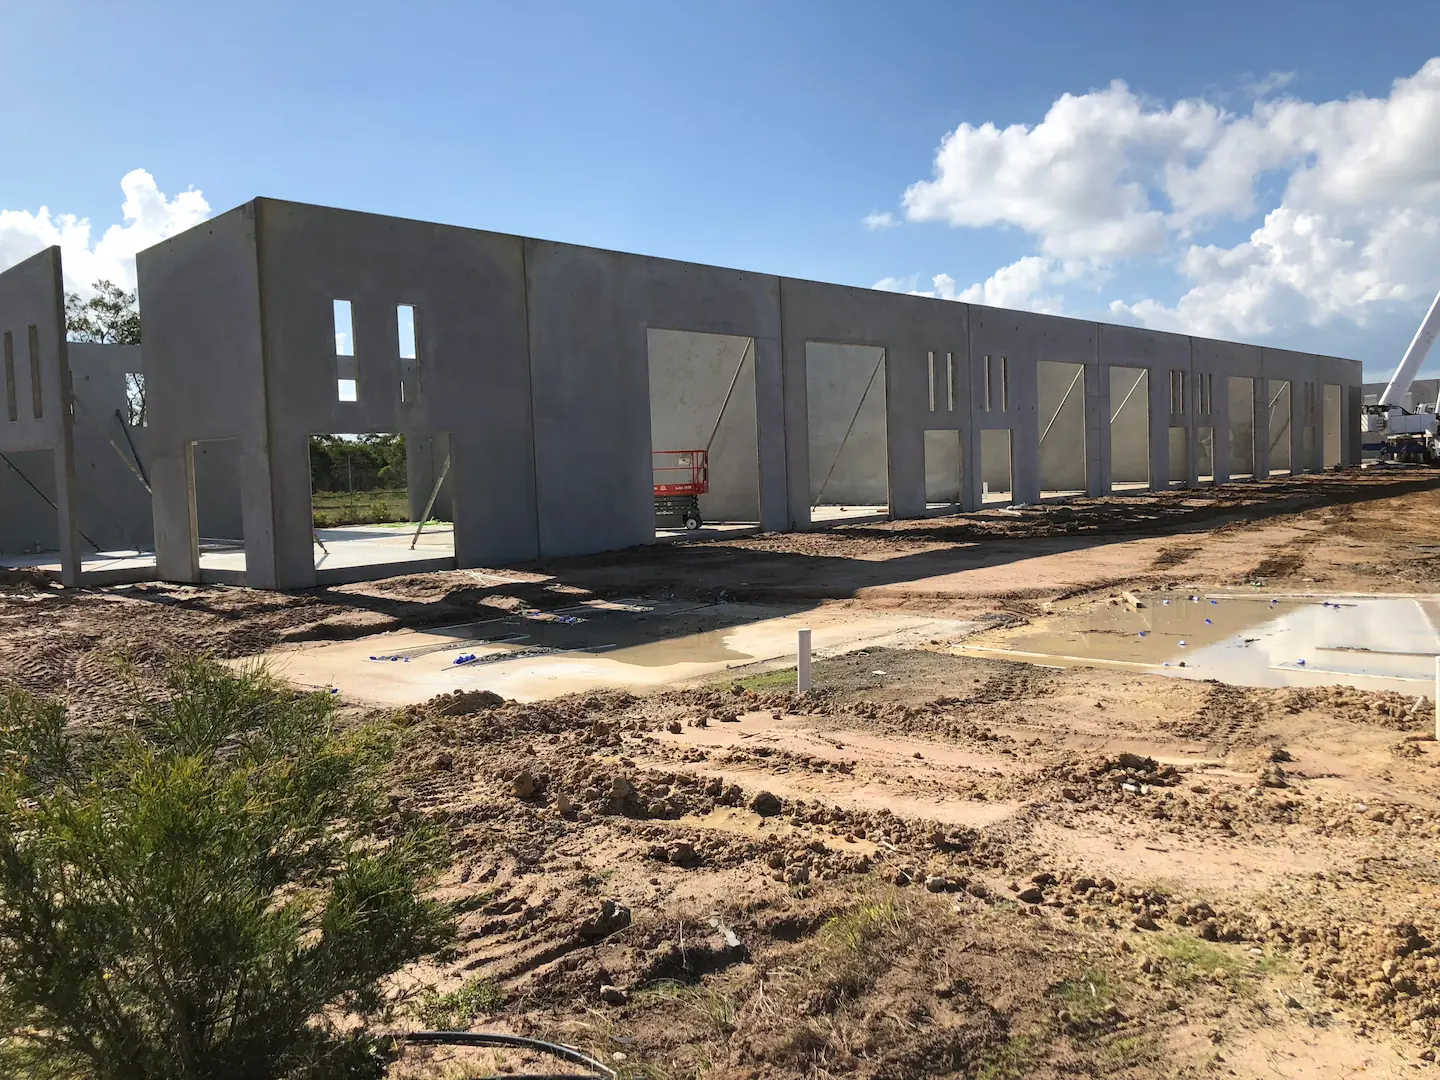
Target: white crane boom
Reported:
point(1414, 356)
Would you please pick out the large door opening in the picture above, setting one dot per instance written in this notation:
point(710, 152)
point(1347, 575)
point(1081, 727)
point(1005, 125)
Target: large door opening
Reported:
point(1061, 397)
point(1241, 400)
point(704, 432)
point(30, 524)
point(1129, 428)
point(1179, 456)
point(944, 471)
point(363, 511)
point(1333, 424)
point(219, 538)
point(996, 474)
point(1280, 463)
point(846, 420)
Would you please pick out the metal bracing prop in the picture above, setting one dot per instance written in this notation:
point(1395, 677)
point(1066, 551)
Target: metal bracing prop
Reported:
point(430, 503)
point(47, 498)
point(125, 430)
point(749, 343)
point(860, 405)
point(1078, 376)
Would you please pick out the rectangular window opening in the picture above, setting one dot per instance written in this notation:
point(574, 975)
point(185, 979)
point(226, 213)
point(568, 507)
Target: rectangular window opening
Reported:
point(135, 398)
point(930, 378)
point(950, 381)
point(1004, 384)
point(986, 398)
point(11, 408)
point(37, 395)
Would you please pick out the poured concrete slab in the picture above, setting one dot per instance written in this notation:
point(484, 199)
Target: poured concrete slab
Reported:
point(350, 553)
point(96, 568)
point(626, 644)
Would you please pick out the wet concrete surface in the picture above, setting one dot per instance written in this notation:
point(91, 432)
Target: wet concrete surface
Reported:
point(1374, 643)
point(635, 644)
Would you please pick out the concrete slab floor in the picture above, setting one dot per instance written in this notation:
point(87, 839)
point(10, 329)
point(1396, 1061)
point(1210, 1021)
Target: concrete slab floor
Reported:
point(627, 644)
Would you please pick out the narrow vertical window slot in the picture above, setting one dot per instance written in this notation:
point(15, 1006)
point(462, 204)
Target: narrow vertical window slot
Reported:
point(930, 377)
point(1004, 384)
point(37, 391)
point(988, 403)
point(10, 405)
point(950, 381)
point(409, 353)
point(347, 373)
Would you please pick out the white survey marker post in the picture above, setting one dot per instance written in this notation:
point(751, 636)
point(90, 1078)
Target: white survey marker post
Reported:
point(802, 661)
point(1437, 699)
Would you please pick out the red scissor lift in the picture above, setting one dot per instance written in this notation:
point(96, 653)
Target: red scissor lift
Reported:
point(680, 477)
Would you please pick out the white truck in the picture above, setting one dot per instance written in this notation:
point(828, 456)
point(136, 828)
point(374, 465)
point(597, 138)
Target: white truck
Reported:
point(1394, 431)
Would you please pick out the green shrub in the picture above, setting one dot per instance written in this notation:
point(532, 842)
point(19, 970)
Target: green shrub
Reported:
point(208, 887)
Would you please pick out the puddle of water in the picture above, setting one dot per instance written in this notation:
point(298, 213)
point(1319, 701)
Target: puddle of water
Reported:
point(1370, 643)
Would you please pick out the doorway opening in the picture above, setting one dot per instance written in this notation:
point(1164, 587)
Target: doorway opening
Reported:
point(1061, 397)
point(1129, 429)
point(1241, 400)
point(1280, 463)
point(1179, 456)
point(846, 419)
point(995, 467)
point(30, 525)
point(1205, 455)
point(363, 511)
point(1332, 424)
point(704, 432)
point(944, 471)
point(219, 537)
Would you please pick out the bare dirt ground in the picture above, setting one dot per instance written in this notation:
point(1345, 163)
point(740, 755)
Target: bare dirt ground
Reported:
point(935, 865)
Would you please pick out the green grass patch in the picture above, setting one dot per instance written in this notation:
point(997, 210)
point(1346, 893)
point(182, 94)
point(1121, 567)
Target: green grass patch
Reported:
point(784, 679)
point(333, 508)
point(459, 1009)
point(1013, 1059)
point(1189, 959)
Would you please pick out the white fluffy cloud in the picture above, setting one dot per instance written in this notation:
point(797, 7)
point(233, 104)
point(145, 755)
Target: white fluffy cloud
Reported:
point(1350, 235)
point(148, 217)
point(1022, 285)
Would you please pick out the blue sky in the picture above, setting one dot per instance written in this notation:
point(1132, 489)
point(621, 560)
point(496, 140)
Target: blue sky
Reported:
point(756, 135)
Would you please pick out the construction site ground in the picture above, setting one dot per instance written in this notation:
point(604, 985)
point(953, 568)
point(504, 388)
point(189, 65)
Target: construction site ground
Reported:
point(937, 863)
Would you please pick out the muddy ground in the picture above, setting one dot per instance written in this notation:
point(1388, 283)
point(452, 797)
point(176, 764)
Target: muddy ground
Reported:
point(936, 864)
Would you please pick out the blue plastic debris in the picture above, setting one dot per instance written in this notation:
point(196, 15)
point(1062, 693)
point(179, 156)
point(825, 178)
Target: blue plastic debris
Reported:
point(1182, 644)
point(1214, 603)
point(1167, 601)
point(466, 658)
point(1209, 623)
point(1300, 662)
point(1165, 663)
point(1144, 633)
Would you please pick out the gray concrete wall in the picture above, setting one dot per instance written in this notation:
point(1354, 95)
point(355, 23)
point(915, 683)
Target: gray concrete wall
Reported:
point(540, 362)
point(703, 385)
point(35, 373)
